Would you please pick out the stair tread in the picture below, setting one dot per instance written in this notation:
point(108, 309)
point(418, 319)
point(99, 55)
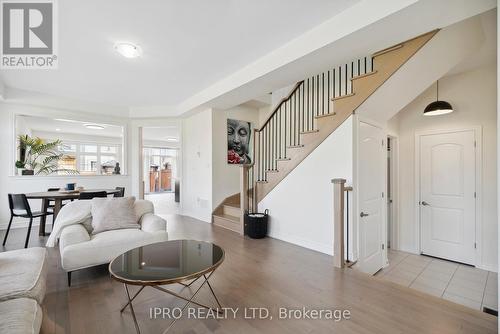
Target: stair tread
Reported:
point(227, 217)
point(343, 96)
point(233, 205)
point(364, 75)
point(309, 131)
point(325, 115)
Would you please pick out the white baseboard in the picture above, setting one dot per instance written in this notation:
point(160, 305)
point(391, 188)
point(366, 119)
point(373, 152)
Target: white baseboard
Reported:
point(489, 267)
point(309, 244)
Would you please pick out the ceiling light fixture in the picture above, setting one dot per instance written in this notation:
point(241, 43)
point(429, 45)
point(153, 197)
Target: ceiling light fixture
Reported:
point(128, 50)
point(58, 129)
point(94, 126)
point(172, 139)
point(438, 107)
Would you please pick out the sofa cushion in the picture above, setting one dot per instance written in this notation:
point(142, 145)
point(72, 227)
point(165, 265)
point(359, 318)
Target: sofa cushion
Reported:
point(20, 316)
point(152, 223)
point(142, 206)
point(105, 246)
point(23, 274)
point(113, 214)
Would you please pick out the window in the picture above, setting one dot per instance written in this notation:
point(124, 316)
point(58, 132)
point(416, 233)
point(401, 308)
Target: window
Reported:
point(159, 164)
point(89, 158)
point(87, 150)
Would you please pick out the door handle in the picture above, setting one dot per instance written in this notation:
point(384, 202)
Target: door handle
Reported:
point(425, 203)
point(362, 214)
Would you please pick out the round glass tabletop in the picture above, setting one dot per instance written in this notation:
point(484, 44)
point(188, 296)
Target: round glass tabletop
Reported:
point(166, 262)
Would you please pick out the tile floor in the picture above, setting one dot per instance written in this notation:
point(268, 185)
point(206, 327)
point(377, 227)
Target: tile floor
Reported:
point(459, 283)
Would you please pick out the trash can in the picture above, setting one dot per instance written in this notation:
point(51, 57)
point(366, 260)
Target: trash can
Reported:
point(256, 224)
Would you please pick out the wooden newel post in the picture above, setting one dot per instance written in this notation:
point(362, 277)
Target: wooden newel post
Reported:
point(338, 222)
point(243, 196)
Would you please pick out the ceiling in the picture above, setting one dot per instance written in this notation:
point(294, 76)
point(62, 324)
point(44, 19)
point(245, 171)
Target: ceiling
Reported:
point(487, 52)
point(46, 124)
point(162, 133)
point(187, 46)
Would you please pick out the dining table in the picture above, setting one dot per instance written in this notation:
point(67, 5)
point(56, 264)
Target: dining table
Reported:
point(58, 197)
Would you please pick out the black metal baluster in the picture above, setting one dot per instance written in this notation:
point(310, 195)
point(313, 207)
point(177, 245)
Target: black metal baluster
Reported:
point(340, 80)
point(345, 79)
point(308, 108)
point(328, 95)
point(352, 74)
point(304, 118)
point(279, 137)
point(285, 127)
point(261, 154)
point(294, 122)
point(317, 95)
point(323, 93)
point(372, 65)
point(275, 142)
point(333, 83)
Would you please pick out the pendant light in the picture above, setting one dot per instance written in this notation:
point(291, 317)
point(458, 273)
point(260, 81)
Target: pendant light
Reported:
point(438, 107)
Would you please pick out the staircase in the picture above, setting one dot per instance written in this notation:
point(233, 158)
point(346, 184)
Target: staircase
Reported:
point(313, 110)
point(316, 107)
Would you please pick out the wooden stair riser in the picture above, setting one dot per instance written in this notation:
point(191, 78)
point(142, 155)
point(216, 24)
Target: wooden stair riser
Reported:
point(231, 210)
point(385, 64)
point(227, 223)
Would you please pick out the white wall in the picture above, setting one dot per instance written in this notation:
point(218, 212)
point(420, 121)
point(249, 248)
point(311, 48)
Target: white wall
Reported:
point(473, 95)
point(301, 206)
point(196, 188)
point(9, 183)
point(226, 177)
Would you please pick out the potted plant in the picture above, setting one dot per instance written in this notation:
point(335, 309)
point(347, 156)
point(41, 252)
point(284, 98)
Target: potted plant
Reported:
point(20, 167)
point(40, 157)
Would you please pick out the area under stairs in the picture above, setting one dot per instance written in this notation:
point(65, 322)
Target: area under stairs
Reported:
point(227, 214)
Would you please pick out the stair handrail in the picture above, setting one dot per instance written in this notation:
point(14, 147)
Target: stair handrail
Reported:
point(283, 100)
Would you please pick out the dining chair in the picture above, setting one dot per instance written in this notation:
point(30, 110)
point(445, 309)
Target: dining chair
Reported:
point(121, 193)
point(92, 194)
point(20, 207)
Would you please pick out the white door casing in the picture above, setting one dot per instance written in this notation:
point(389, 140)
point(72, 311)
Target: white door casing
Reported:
point(371, 185)
point(447, 195)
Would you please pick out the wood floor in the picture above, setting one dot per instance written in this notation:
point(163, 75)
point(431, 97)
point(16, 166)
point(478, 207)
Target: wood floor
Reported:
point(256, 273)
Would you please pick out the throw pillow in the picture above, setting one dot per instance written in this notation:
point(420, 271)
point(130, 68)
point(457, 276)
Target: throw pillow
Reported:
point(113, 214)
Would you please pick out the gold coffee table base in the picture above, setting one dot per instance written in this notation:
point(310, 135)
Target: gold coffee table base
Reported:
point(189, 300)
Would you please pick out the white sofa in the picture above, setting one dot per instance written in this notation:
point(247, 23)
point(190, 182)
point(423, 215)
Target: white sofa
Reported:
point(23, 276)
point(80, 249)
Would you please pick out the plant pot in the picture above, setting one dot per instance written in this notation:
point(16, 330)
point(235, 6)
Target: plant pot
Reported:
point(28, 172)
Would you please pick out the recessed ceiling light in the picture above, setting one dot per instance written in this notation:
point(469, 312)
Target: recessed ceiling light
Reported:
point(58, 129)
point(94, 126)
point(128, 50)
point(172, 139)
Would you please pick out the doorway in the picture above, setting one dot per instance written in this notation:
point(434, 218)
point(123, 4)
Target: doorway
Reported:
point(392, 192)
point(447, 165)
point(161, 168)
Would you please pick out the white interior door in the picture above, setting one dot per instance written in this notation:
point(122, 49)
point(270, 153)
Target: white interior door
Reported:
point(371, 160)
point(447, 195)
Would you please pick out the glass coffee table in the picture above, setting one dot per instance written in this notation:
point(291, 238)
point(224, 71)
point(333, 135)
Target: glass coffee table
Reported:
point(170, 262)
